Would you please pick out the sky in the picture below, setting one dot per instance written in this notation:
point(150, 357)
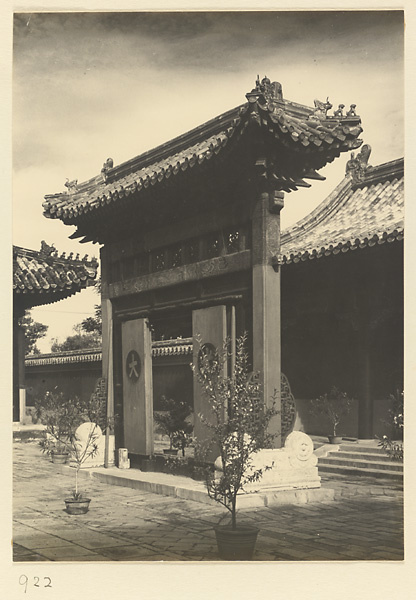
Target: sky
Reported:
point(88, 86)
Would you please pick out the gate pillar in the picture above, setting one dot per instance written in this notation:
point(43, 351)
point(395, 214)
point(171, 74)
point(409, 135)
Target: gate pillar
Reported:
point(266, 301)
point(210, 324)
point(137, 387)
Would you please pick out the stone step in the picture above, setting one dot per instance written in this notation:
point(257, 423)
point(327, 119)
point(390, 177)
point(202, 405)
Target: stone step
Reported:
point(362, 448)
point(370, 456)
point(357, 471)
point(360, 463)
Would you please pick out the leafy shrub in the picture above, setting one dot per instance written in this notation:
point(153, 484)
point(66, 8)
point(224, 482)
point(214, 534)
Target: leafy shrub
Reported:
point(237, 422)
point(173, 423)
point(333, 406)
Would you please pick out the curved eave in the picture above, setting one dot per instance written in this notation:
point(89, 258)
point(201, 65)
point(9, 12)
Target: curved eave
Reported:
point(343, 247)
point(314, 143)
point(352, 217)
point(32, 299)
point(40, 278)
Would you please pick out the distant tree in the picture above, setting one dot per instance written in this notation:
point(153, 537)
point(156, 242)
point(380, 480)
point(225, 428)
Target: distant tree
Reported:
point(79, 341)
point(94, 324)
point(33, 331)
point(87, 333)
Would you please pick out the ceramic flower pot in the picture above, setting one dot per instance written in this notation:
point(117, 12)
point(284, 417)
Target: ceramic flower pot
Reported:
point(335, 439)
point(236, 544)
point(59, 458)
point(77, 507)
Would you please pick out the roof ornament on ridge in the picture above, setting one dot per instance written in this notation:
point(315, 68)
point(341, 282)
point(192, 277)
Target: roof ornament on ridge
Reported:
point(72, 186)
point(265, 91)
point(358, 165)
point(338, 113)
point(47, 250)
point(351, 112)
point(321, 109)
point(109, 163)
point(50, 251)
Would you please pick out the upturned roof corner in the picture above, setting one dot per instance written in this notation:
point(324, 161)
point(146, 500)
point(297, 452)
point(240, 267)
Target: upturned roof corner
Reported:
point(43, 276)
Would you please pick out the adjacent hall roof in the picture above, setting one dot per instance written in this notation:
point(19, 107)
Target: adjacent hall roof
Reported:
point(365, 209)
point(307, 139)
point(175, 347)
point(41, 277)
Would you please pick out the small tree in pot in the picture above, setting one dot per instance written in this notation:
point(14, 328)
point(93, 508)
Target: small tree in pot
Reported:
point(237, 424)
point(81, 450)
point(333, 406)
point(62, 417)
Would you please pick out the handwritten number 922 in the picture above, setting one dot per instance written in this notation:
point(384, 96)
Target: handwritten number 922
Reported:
point(24, 580)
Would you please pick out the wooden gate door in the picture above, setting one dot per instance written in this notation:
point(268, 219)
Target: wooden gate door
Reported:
point(210, 324)
point(137, 387)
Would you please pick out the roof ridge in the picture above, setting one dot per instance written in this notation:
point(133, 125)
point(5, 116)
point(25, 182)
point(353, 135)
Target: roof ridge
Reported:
point(383, 172)
point(160, 152)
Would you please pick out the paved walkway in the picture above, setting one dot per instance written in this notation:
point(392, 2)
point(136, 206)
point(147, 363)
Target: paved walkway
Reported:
point(364, 523)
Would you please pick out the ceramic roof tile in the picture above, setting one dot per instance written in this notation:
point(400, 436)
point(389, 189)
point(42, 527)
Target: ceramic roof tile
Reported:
point(365, 209)
point(41, 277)
point(175, 347)
point(311, 133)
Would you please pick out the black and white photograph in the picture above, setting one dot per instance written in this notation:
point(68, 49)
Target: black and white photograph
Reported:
point(208, 287)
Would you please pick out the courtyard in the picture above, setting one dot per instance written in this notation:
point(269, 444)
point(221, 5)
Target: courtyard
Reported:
point(364, 522)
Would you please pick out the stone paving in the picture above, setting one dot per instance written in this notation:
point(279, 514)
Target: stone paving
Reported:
point(365, 522)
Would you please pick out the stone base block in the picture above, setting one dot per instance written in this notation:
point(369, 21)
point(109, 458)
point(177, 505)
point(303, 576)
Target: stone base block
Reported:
point(123, 459)
point(282, 497)
point(290, 468)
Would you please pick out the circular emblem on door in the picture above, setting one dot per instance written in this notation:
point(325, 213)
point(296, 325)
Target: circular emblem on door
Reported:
point(133, 365)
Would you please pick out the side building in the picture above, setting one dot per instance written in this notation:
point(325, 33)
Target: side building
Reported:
point(41, 277)
point(342, 296)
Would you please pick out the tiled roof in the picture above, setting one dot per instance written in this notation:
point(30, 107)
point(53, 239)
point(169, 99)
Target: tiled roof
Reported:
point(176, 347)
point(63, 358)
point(42, 277)
point(310, 136)
point(365, 209)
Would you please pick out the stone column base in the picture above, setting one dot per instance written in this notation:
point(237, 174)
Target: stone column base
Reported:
point(22, 405)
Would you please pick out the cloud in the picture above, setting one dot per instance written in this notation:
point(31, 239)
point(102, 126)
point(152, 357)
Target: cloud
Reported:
point(92, 85)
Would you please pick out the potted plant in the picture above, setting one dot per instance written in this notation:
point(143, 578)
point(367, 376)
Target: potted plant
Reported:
point(173, 423)
point(333, 406)
point(62, 417)
point(81, 450)
point(237, 421)
point(394, 447)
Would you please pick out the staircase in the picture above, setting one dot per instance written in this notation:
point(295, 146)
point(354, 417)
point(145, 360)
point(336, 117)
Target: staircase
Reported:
point(359, 459)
